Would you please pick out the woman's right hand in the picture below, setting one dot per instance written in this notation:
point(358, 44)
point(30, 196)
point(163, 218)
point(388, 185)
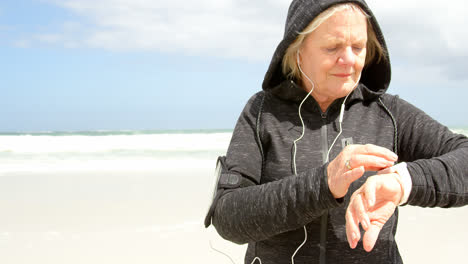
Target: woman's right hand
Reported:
point(351, 164)
point(371, 206)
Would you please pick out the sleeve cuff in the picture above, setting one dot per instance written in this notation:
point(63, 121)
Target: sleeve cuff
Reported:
point(401, 170)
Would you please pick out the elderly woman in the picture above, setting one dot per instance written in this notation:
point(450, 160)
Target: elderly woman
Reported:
point(323, 149)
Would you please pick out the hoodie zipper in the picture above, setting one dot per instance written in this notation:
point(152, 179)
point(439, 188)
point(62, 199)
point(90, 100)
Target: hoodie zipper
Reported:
point(324, 217)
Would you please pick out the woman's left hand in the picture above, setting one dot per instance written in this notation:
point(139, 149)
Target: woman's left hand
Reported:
point(372, 205)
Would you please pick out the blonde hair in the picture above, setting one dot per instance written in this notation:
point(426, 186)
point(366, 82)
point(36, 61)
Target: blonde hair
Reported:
point(374, 49)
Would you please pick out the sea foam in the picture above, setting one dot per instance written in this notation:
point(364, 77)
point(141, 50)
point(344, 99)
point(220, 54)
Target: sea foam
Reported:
point(131, 152)
point(89, 144)
point(118, 151)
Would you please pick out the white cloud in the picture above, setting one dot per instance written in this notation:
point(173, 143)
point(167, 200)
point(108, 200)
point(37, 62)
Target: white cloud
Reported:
point(227, 28)
point(426, 37)
point(418, 32)
point(22, 43)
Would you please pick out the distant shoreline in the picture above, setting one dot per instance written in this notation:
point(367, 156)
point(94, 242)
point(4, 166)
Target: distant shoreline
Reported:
point(125, 132)
point(115, 132)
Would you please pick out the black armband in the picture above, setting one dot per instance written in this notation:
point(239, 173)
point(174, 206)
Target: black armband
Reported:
point(224, 180)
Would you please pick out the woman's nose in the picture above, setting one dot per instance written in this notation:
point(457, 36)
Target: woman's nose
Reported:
point(347, 56)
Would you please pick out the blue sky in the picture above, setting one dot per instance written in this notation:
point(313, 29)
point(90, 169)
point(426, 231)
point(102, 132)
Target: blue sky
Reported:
point(126, 64)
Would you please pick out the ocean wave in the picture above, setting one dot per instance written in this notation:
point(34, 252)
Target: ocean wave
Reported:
point(463, 131)
point(16, 144)
point(138, 144)
point(115, 132)
point(138, 152)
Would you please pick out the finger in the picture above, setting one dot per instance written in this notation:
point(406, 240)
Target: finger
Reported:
point(353, 233)
point(386, 171)
point(363, 216)
point(370, 162)
point(369, 189)
point(370, 237)
point(354, 174)
point(360, 210)
point(374, 150)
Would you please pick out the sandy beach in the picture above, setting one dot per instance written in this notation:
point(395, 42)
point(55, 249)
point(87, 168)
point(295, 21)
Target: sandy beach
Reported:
point(128, 217)
point(119, 199)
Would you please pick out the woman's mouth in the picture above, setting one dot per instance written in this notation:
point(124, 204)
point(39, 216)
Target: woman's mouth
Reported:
point(342, 75)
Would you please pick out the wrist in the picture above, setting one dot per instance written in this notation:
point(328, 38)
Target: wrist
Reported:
point(404, 178)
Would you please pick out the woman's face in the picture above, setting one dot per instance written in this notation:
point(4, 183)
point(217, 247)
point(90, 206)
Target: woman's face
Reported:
point(333, 56)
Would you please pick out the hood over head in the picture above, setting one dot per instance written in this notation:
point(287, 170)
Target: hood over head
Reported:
point(375, 76)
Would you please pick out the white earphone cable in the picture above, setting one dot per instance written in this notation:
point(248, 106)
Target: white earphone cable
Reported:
point(340, 121)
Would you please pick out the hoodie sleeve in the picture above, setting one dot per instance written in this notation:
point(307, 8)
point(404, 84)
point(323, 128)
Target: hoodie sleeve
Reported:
point(257, 211)
point(436, 158)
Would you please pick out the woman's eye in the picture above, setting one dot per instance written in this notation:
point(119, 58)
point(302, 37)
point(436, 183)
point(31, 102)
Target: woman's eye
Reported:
point(332, 49)
point(358, 49)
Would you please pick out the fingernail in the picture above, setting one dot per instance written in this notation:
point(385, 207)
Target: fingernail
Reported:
point(370, 202)
point(395, 156)
point(352, 243)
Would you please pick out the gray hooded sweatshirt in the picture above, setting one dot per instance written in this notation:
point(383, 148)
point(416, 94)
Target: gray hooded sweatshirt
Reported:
point(267, 205)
